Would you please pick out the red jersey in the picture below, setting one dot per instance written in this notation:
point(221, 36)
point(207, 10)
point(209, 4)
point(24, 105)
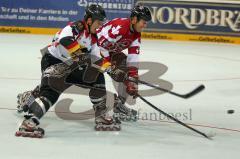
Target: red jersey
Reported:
point(116, 36)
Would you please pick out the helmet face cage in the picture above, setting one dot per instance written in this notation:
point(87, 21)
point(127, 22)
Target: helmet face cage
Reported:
point(96, 12)
point(141, 12)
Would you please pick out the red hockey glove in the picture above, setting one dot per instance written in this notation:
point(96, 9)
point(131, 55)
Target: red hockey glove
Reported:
point(132, 88)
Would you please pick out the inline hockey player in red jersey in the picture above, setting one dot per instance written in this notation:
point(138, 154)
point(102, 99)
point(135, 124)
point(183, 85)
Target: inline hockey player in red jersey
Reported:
point(114, 37)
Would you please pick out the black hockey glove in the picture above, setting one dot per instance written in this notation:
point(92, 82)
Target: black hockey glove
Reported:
point(117, 75)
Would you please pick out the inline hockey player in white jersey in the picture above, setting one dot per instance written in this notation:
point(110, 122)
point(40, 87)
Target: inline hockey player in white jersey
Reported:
point(114, 37)
point(60, 66)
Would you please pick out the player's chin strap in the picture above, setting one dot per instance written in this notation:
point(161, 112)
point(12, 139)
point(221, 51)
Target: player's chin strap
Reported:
point(174, 119)
point(132, 29)
point(185, 96)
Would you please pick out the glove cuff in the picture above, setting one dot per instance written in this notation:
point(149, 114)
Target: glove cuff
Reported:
point(133, 72)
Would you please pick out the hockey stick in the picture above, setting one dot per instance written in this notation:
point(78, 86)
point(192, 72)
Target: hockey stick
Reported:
point(174, 119)
point(185, 96)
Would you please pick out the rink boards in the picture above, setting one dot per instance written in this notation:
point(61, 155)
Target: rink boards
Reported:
point(194, 21)
point(172, 20)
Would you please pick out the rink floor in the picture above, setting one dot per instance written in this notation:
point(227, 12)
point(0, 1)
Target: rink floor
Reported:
point(153, 136)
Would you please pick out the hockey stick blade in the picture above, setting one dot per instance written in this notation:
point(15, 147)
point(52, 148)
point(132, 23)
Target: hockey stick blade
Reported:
point(210, 135)
point(194, 92)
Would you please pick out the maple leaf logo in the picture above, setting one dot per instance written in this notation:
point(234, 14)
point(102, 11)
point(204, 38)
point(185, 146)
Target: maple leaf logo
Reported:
point(115, 30)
